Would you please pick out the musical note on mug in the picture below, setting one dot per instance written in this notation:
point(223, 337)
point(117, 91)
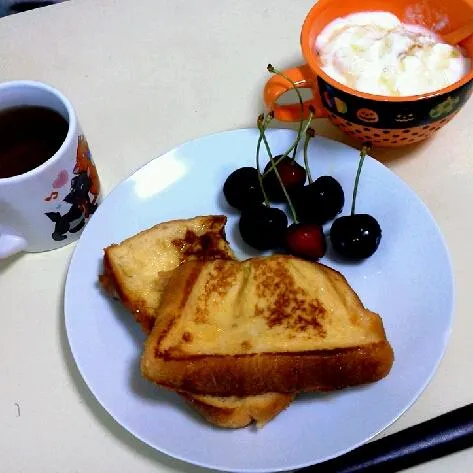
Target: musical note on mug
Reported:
point(52, 196)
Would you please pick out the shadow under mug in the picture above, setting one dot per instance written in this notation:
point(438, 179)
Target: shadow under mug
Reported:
point(48, 206)
point(383, 121)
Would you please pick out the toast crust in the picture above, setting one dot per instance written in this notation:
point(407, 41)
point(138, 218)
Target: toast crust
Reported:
point(245, 375)
point(236, 412)
point(112, 285)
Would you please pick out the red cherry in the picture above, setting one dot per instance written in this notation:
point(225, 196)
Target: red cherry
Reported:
point(306, 240)
point(292, 174)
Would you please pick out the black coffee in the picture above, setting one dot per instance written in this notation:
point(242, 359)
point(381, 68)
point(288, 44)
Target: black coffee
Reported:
point(29, 136)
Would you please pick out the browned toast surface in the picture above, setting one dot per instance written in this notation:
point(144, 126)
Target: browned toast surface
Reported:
point(137, 270)
point(269, 324)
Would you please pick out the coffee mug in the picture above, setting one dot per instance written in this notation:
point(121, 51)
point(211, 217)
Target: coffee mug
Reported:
point(47, 207)
point(383, 121)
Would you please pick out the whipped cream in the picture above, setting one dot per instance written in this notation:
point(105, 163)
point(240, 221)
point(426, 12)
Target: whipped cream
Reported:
point(374, 52)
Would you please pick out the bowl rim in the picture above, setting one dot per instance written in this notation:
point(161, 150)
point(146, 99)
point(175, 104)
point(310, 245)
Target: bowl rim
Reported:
point(310, 57)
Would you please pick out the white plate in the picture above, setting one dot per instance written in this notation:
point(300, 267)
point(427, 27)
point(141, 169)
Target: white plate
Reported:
point(408, 281)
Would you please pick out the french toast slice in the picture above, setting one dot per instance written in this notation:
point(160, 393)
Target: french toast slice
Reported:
point(235, 412)
point(267, 324)
point(136, 271)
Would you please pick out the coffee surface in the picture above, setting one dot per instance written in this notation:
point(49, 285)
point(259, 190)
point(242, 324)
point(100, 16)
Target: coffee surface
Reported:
point(29, 136)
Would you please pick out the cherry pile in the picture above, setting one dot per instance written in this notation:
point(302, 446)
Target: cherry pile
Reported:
point(311, 203)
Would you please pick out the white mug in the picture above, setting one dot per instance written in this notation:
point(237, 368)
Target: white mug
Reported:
point(47, 207)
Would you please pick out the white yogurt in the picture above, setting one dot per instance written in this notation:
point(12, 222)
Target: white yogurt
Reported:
point(374, 52)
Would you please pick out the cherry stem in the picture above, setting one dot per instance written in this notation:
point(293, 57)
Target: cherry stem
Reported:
point(309, 134)
point(273, 70)
point(364, 151)
point(262, 122)
point(304, 130)
point(275, 169)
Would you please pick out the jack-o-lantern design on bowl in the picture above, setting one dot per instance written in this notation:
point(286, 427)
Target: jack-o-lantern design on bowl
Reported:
point(391, 123)
point(404, 117)
point(389, 137)
point(367, 115)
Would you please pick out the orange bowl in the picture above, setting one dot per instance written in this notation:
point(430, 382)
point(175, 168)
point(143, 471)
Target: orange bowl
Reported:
point(383, 120)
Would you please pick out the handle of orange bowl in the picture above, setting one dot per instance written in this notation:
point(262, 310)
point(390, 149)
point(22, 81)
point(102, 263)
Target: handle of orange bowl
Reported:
point(303, 78)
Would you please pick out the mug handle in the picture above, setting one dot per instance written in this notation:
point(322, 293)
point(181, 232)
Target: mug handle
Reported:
point(303, 77)
point(11, 244)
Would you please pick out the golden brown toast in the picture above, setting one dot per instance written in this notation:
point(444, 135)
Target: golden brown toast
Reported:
point(267, 324)
point(234, 411)
point(137, 270)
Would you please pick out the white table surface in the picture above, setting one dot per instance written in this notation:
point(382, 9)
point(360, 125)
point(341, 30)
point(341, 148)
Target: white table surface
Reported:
point(144, 77)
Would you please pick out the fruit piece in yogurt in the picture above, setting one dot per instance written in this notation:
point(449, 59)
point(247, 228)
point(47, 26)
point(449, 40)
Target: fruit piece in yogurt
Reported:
point(374, 52)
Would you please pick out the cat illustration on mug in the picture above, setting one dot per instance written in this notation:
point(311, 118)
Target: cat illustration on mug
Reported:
point(83, 195)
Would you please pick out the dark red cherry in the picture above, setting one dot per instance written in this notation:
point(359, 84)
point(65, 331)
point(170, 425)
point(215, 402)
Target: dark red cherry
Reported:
point(306, 240)
point(292, 174)
point(355, 236)
point(242, 188)
point(263, 227)
point(320, 201)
